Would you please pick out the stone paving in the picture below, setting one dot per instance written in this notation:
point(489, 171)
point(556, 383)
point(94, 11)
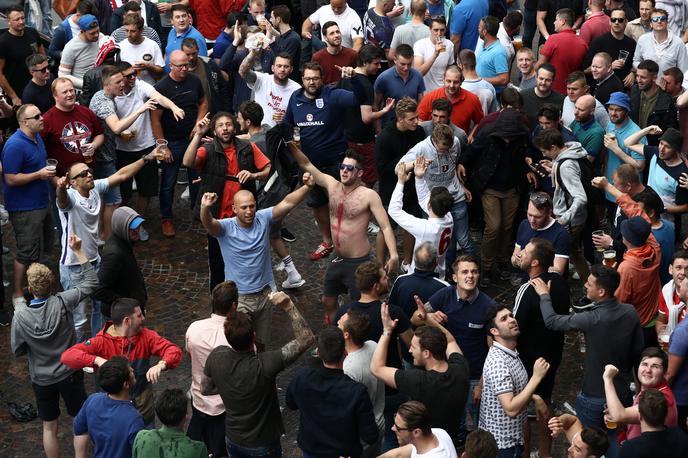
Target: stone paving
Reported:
point(176, 275)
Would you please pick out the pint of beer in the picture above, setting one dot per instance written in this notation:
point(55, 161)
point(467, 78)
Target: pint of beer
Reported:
point(518, 42)
point(600, 249)
point(663, 335)
point(609, 258)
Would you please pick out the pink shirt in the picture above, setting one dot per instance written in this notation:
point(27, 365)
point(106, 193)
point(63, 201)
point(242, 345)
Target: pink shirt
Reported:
point(596, 25)
point(201, 338)
point(633, 429)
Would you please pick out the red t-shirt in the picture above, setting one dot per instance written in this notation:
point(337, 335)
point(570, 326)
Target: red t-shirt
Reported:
point(231, 187)
point(212, 15)
point(598, 24)
point(346, 58)
point(65, 131)
point(566, 52)
point(465, 109)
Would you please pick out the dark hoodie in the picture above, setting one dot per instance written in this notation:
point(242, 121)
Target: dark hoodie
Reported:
point(119, 272)
point(493, 162)
point(44, 329)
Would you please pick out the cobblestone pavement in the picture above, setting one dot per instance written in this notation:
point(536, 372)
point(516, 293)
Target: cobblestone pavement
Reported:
point(176, 275)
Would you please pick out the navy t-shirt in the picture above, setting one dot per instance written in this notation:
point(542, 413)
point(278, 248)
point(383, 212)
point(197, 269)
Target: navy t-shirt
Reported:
point(555, 233)
point(186, 95)
point(41, 96)
point(466, 322)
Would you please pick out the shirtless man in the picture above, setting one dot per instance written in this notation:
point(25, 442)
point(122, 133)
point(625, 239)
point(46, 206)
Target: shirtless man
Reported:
point(351, 205)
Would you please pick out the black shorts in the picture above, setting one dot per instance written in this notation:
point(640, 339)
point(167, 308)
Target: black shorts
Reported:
point(341, 277)
point(48, 396)
point(146, 178)
point(318, 195)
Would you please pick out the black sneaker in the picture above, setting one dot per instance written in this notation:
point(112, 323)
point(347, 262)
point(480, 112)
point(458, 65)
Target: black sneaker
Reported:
point(286, 235)
point(5, 318)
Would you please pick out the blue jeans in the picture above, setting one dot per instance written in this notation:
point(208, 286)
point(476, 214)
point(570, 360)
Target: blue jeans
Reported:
point(70, 276)
point(392, 403)
point(461, 232)
point(273, 450)
point(590, 411)
point(473, 409)
point(529, 27)
point(46, 25)
point(168, 180)
point(512, 452)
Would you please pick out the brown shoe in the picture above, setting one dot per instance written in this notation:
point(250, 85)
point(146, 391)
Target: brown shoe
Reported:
point(168, 228)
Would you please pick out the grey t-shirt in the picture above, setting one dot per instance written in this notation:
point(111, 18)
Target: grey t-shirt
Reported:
point(408, 34)
point(80, 55)
point(104, 106)
point(357, 367)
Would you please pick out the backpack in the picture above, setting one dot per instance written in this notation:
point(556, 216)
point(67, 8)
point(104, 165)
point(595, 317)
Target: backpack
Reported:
point(594, 195)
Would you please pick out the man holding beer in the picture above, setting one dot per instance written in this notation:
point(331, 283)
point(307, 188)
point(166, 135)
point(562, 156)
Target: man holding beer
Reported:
point(651, 374)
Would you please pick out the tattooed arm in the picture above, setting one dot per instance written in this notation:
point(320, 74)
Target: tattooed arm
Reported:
point(302, 332)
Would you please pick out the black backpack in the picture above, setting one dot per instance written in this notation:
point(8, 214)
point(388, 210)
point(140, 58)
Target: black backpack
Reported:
point(594, 195)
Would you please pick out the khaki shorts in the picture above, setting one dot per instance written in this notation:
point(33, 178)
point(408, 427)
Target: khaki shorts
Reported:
point(33, 230)
point(259, 308)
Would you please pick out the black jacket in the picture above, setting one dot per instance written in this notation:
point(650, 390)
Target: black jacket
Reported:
point(152, 18)
point(663, 115)
point(219, 98)
point(119, 273)
point(484, 156)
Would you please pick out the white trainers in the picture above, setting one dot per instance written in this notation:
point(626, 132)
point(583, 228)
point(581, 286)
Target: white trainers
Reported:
point(18, 302)
point(373, 228)
point(186, 195)
point(279, 267)
point(143, 235)
point(291, 283)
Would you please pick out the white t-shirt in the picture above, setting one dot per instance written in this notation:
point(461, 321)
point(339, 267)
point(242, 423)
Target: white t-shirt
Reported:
point(349, 23)
point(424, 48)
point(403, 18)
point(445, 448)
point(81, 217)
point(147, 50)
point(272, 97)
point(75, 27)
point(438, 231)
point(357, 367)
point(485, 92)
point(127, 104)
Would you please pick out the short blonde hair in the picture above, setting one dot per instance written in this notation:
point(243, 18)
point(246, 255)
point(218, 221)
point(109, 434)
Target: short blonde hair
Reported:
point(40, 279)
point(56, 81)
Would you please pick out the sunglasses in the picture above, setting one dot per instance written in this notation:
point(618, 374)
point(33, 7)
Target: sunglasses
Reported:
point(399, 428)
point(83, 174)
point(618, 20)
point(347, 167)
point(42, 70)
point(657, 19)
point(130, 75)
point(35, 118)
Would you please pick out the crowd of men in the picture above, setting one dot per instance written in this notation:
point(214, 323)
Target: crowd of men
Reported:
point(408, 129)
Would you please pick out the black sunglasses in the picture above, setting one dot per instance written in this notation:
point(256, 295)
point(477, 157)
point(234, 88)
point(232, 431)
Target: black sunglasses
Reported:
point(618, 20)
point(35, 118)
point(42, 70)
point(347, 167)
point(399, 428)
point(83, 174)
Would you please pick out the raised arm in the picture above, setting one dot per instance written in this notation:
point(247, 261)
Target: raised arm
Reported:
point(569, 424)
point(132, 169)
point(617, 411)
point(405, 220)
point(422, 315)
point(632, 142)
point(612, 145)
point(304, 337)
point(293, 199)
point(209, 222)
point(513, 405)
point(321, 179)
point(190, 158)
point(378, 362)
point(118, 125)
point(246, 68)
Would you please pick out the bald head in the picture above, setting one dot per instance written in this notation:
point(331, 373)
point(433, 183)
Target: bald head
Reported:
point(177, 55)
point(585, 108)
point(243, 196)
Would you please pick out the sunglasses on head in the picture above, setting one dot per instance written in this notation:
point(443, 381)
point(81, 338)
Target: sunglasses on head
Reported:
point(347, 167)
point(618, 20)
point(656, 19)
point(83, 174)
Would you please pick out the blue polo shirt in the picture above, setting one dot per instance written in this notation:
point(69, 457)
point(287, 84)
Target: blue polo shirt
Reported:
point(391, 84)
point(174, 42)
point(492, 61)
point(466, 322)
point(320, 120)
point(613, 161)
point(678, 345)
point(21, 154)
point(465, 20)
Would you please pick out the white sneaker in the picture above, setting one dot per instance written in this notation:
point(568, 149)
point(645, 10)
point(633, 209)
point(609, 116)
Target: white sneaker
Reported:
point(373, 228)
point(18, 302)
point(291, 283)
point(186, 195)
point(280, 266)
point(143, 235)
